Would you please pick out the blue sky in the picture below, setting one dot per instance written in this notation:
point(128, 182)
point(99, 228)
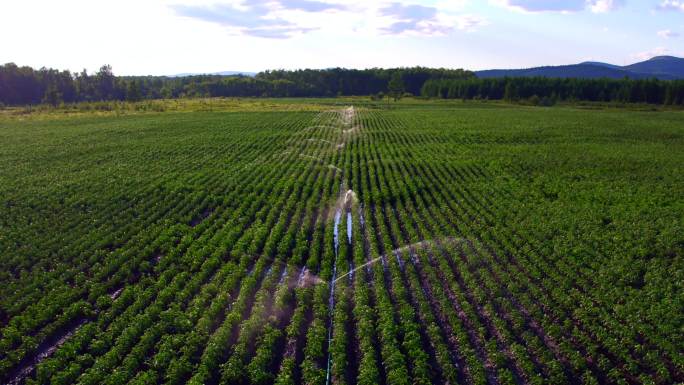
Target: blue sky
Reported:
point(173, 36)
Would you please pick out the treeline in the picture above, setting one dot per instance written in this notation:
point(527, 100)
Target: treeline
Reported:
point(25, 85)
point(313, 83)
point(340, 81)
point(542, 90)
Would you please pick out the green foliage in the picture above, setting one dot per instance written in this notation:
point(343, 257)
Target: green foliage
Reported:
point(24, 85)
point(52, 96)
point(490, 243)
point(550, 90)
point(395, 87)
point(133, 91)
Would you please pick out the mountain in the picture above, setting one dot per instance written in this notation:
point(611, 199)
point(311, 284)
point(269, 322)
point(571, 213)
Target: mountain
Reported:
point(568, 71)
point(661, 67)
point(601, 64)
point(222, 73)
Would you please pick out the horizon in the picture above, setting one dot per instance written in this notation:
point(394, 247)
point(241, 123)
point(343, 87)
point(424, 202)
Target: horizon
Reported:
point(251, 73)
point(166, 38)
point(370, 68)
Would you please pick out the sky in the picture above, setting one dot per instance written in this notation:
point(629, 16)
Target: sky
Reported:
point(166, 37)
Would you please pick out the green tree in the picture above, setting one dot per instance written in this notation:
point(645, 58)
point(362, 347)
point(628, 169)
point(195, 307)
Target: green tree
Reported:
point(669, 95)
point(396, 86)
point(105, 82)
point(133, 91)
point(510, 92)
point(52, 96)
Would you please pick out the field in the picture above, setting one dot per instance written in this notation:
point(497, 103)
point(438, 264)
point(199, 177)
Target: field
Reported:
point(320, 242)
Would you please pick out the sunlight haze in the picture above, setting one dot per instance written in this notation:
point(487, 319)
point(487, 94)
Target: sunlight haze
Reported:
point(160, 37)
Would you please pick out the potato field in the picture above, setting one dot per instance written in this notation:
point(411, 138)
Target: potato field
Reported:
point(343, 243)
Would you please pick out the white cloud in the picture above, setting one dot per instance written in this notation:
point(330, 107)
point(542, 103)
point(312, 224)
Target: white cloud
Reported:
point(668, 34)
point(672, 5)
point(451, 6)
point(602, 6)
point(470, 23)
point(289, 18)
point(561, 6)
point(645, 55)
point(532, 6)
point(258, 18)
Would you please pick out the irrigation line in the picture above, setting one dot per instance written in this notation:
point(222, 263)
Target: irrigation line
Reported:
point(347, 118)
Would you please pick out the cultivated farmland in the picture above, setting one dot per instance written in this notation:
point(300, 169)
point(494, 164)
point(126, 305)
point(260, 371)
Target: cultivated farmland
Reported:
point(431, 242)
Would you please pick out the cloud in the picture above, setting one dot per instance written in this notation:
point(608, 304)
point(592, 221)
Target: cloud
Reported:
point(658, 51)
point(278, 32)
point(602, 6)
point(410, 12)
point(562, 6)
point(672, 5)
point(667, 34)
point(306, 5)
point(470, 23)
point(256, 17)
point(281, 19)
point(542, 5)
point(413, 19)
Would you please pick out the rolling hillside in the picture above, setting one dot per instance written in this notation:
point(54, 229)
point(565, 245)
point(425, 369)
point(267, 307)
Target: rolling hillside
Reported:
point(661, 67)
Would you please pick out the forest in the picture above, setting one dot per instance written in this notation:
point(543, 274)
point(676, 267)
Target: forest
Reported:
point(26, 86)
point(547, 91)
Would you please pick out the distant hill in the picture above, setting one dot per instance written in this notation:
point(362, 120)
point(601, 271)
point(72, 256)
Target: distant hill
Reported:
point(661, 67)
point(222, 73)
point(601, 64)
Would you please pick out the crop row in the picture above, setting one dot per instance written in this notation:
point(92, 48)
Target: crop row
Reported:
point(342, 247)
